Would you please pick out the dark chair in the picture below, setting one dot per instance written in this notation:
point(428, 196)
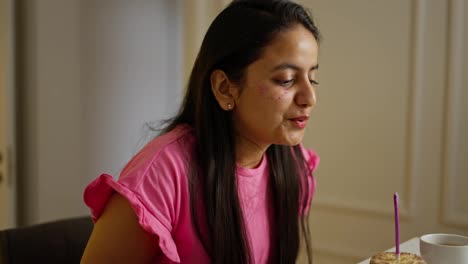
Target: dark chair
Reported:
point(61, 241)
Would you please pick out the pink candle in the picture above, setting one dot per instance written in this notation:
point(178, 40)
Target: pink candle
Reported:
point(397, 224)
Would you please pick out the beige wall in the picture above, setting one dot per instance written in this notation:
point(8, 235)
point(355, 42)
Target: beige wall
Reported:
point(198, 15)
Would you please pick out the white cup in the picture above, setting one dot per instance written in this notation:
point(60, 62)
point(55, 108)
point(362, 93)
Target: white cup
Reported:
point(444, 249)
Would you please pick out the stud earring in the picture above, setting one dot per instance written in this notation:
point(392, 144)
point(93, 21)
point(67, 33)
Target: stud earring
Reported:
point(229, 106)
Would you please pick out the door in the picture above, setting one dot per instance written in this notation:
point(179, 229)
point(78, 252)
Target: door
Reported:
point(92, 75)
point(6, 175)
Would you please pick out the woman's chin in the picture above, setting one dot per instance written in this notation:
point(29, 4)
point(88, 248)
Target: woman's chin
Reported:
point(292, 141)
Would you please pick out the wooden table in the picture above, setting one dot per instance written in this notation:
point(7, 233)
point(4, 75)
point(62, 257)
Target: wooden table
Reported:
point(411, 246)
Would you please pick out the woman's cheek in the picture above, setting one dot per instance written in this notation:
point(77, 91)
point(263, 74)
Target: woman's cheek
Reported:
point(284, 96)
point(262, 90)
point(265, 92)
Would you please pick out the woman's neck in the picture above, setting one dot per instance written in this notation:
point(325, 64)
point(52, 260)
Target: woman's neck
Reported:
point(248, 153)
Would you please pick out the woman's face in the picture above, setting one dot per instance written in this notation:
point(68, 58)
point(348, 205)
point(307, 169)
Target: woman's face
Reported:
point(278, 91)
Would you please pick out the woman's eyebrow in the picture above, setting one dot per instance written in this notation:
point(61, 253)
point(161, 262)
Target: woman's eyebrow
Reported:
point(284, 66)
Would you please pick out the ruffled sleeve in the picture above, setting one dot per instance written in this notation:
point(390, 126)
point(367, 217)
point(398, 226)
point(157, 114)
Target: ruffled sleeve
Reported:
point(312, 160)
point(154, 182)
point(98, 193)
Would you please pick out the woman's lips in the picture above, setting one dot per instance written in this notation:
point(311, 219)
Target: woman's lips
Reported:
point(300, 122)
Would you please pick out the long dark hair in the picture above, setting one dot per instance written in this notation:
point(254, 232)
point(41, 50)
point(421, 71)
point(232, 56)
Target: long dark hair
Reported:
point(235, 39)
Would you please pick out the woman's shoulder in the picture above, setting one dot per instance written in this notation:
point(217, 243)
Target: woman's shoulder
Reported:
point(154, 183)
point(310, 157)
point(171, 150)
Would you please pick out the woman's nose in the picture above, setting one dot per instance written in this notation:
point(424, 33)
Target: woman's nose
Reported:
point(306, 95)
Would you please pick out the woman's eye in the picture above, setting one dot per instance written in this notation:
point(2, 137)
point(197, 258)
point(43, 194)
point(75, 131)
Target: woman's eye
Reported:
point(314, 82)
point(284, 83)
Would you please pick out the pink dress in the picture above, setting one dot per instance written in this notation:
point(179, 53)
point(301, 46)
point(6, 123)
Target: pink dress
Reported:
point(155, 184)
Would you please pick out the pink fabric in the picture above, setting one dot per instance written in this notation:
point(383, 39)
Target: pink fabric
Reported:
point(155, 184)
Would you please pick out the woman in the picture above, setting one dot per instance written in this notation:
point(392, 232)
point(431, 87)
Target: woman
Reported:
point(228, 180)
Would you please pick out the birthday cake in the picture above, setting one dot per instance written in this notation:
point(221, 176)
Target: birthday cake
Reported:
point(391, 258)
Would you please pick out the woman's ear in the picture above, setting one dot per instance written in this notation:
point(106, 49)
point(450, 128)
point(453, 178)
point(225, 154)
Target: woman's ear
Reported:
point(223, 89)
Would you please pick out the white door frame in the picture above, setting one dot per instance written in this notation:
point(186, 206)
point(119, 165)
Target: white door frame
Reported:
point(7, 100)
